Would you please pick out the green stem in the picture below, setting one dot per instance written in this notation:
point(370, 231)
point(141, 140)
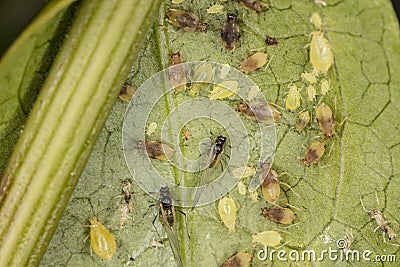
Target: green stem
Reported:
point(65, 122)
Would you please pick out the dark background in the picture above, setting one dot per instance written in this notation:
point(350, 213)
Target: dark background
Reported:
point(16, 14)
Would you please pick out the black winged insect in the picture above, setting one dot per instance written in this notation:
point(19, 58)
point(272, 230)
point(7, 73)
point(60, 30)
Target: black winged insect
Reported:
point(167, 217)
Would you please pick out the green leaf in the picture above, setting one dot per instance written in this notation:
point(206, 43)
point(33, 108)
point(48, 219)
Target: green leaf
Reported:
point(67, 117)
point(361, 159)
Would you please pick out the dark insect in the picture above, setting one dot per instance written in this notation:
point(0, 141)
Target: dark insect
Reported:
point(314, 153)
point(217, 150)
point(270, 40)
point(253, 4)
point(177, 73)
point(279, 214)
point(167, 217)
point(230, 32)
point(186, 20)
point(156, 150)
point(126, 92)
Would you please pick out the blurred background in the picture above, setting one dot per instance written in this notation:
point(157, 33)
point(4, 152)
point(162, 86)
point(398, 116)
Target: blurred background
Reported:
point(15, 15)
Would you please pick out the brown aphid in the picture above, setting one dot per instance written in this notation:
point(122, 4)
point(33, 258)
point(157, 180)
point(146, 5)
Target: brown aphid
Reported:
point(126, 92)
point(270, 187)
point(325, 119)
point(241, 259)
point(279, 215)
point(185, 20)
point(253, 4)
point(257, 110)
point(177, 73)
point(314, 153)
point(230, 32)
point(270, 40)
point(275, 112)
point(156, 149)
point(253, 62)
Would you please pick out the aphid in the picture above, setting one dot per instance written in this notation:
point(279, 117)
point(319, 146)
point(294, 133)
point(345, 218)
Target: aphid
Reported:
point(217, 150)
point(241, 188)
point(241, 259)
point(321, 56)
point(316, 21)
point(293, 98)
point(156, 150)
point(279, 214)
point(325, 119)
point(151, 129)
point(253, 62)
point(215, 9)
point(270, 186)
point(309, 77)
point(254, 196)
point(325, 86)
point(101, 240)
point(167, 217)
point(223, 90)
point(253, 4)
point(243, 172)
point(186, 134)
point(314, 153)
point(202, 75)
point(126, 92)
point(227, 212)
point(311, 93)
point(381, 222)
point(185, 20)
point(230, 32)
point(302, 121)
point(270, 40)
point(276, 113)
point(257, 111)
point(177, 73)
point(267, 238)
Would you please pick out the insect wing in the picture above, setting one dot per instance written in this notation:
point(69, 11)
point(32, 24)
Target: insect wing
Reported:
point(171, 233)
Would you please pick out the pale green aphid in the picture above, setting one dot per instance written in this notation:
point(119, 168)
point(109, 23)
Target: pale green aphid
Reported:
point(223, 90)
point(227, 211)
point(243, 172)
point(311, 93)
point(302, 121)
point(241, 188)
point(309, 77)
point(254, 196)
point(293, 98)
point(267, 238)
point(215, 9)
point(321, 56)
point(202, 75)
point(316, 21)
point(151, 129)
point(325, 86)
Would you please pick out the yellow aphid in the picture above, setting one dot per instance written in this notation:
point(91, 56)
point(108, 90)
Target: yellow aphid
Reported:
point(270, 187)
point(293, 98)
point(215, 9)
point(302, 121)
point(325, 119)
point(227, 212)
point(202, 75)
point(241, 188)
point(325, 86)
point(314, 153)
point(243, 172)
point(241, 259)
point(253, 62)
point(101, 240)
point(224, 89)
point(267, 238)
point(316, 21)
point(254, 196)
point(309, 77)
point(321, 56)
point(152, 127)
point(311, 93)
